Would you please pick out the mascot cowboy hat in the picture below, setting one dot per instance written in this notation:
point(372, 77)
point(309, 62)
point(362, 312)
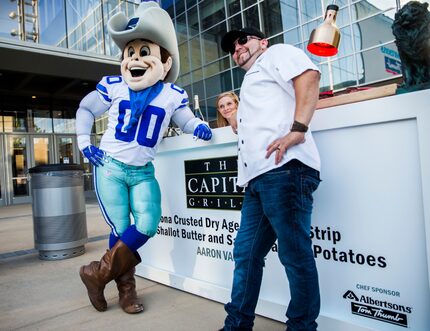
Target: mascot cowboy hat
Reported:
point(149, 22)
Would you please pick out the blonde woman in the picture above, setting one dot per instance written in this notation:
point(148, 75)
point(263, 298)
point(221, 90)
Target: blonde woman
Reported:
point(226, 105)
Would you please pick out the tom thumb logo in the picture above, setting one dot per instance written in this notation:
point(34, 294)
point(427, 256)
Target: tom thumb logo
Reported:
point(368, 307)
point(211, 183)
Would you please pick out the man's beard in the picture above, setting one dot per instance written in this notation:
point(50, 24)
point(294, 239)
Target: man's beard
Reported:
point(250, 56)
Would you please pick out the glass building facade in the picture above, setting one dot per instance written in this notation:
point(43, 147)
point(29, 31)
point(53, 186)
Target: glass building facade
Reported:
point(41, 130)
point(73, 24)
point(367, 53)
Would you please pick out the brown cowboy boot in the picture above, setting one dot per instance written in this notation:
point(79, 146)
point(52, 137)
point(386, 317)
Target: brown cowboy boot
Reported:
point(96, 275)
point(128, 300)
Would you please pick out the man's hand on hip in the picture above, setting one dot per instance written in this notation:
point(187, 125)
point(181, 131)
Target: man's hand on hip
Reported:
point(281, 145)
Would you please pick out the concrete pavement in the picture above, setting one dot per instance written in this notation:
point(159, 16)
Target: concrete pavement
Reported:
point(48, 295)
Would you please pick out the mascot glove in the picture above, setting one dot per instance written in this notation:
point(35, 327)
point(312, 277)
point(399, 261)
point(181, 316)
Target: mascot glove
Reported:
point(94, 155)
point(203, 132)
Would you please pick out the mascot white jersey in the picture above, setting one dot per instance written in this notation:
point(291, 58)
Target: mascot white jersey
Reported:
point(138, 144)
point(140, 104)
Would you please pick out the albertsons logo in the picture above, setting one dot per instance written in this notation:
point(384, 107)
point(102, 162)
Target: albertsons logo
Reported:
point(377, 309)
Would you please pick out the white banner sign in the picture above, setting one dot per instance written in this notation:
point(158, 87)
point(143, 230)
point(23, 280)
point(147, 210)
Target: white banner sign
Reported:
point(368, 230)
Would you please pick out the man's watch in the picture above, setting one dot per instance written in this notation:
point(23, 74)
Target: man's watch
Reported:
point(298, 127)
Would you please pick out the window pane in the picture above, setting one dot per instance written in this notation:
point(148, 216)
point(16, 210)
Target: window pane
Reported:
point(238, 75)
point(271, 17)
point(184, 80)
point(345, 45)
point(378, 63)
point(197, 75)
point(167, 5)
point(342, 18)
point(84, 25)
point(65, 150)
point(101, 124)
point(307, 28)
point(218, 83)
point(235, 22)
point(18, 154)
point(343, 72)
point(276, 40)
point(52, 23)
point(196, 55)
point(40, 121)
point(41, 151)
point(363, 9)
point(184, 58)
point(190, 3)
point(179, 6)
point(181, 28)
point(325, 78)
point(212, 42)
point(110, 8)
point(311, 10)
point(64, 121)
point(292, 37)
point(217, 67)
point(188, 89)
point(340, 3)
point(211, 109)
point(251, 17)
point(314, 58)
point(8, 25)
point(366, 31)
point(233, 7)
point(247, 3)
point(290, 14)
point(392, 61)
point(211, 13)
point(302, 46)
point(198, 89)
point(193, 21)
point(15, 121)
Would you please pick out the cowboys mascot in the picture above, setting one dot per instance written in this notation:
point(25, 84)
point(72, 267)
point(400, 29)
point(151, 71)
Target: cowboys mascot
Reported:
point(140, 103)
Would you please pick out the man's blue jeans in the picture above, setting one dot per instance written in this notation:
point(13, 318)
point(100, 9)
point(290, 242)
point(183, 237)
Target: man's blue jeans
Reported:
point(277, 205)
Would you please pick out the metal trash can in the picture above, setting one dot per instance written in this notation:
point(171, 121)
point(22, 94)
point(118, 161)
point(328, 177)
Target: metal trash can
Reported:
point(59, 214)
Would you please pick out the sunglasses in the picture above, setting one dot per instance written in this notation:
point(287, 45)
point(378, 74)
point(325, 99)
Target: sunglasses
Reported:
point(242, 41)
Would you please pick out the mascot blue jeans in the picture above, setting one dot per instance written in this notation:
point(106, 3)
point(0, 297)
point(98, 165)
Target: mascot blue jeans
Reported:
point(123, 189)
